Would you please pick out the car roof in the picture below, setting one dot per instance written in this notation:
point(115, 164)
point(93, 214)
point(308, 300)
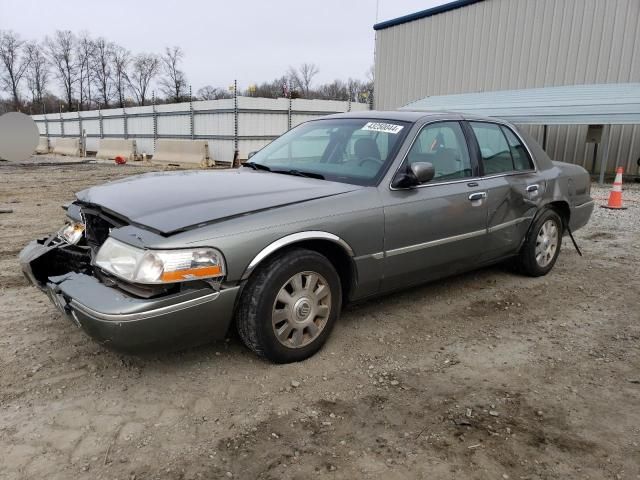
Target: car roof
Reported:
point(414, 116)
point(398, 115)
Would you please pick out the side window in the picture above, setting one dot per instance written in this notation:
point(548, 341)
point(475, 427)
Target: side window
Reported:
point(444, 146)
point(521, 160)
point(494, 149)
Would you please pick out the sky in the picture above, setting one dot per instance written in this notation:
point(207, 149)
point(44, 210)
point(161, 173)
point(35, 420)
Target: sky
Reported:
point(247, 40)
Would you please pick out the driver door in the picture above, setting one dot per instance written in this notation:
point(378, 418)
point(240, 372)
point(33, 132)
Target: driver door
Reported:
point(439, 227)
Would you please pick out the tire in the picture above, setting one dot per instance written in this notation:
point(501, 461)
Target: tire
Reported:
point(275, 318)
point(538, 254)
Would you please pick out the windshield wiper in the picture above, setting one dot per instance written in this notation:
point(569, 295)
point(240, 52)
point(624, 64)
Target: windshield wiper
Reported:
point(299, 173)
point(256, 166)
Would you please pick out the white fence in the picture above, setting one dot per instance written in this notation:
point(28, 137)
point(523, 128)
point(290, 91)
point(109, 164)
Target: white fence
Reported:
point(248, 124)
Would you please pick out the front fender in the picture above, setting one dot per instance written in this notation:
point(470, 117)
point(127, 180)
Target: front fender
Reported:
point(291, 239)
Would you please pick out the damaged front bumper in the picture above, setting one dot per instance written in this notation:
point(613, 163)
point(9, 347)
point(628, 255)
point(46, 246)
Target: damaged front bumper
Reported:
point(122, 321)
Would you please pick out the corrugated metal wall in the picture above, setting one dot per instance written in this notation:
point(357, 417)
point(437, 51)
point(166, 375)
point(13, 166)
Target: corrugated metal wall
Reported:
point(260, 120)
point(510, 44)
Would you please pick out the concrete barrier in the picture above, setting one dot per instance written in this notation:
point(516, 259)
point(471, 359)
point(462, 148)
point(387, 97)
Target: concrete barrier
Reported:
point(43, 145)
point(67, 146)
point(182, 151)
point(110, 148)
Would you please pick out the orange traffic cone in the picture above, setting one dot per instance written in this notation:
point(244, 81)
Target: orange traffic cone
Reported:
point(615, 196)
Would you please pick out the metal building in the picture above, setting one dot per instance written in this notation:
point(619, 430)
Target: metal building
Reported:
point(490, 45)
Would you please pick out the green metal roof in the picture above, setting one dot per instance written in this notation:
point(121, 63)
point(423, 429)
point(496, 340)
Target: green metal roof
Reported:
point(602, 104)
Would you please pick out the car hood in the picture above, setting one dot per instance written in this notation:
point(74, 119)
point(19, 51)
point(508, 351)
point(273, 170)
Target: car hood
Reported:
point(175, 201)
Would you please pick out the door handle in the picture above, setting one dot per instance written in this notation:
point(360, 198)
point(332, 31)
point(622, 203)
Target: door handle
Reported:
point(477, 196)
point(532, 188)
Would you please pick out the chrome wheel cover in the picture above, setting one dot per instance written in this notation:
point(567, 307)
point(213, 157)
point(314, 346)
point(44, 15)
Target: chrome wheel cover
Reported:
point(301, 309)
point(547, 243)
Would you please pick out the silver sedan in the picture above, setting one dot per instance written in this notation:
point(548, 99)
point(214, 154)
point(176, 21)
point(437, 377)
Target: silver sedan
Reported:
point(336, 210)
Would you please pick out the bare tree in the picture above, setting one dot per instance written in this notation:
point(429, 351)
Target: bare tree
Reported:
point(120, 59)
point(101, 67)
point(84, 54)
point(144, 68)
point(302, 77)
point(294, 79)
point(370, 76)
point(93, 71)
point(276, 88)
point(370, 73)
point(336, 90)
point(14, 63)
point(354, 89)
point(353, 86)
point(61, 54)
point(212, 93)
point(37, 73)
point(174, 83)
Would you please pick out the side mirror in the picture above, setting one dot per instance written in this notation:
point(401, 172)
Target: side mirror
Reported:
point(416, 174)
point(423, 171)
point(251, 154)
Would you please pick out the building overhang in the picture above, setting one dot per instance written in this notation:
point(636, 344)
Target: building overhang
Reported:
point(600, 104)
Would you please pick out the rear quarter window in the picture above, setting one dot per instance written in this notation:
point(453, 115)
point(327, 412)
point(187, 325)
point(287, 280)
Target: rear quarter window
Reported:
point(521, 159)
point(501, 150)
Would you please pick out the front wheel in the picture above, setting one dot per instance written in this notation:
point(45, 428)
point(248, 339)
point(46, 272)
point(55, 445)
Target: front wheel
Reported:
point(289, 306)
point(542, 245)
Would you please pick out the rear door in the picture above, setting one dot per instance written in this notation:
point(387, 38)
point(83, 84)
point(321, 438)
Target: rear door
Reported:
point(514, 188)
point(436, 228)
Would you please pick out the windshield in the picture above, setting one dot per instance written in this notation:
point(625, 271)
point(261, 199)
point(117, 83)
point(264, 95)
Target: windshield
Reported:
point(344, 150)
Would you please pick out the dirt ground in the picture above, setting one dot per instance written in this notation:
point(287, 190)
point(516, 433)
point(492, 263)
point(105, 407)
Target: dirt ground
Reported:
point(488, 375)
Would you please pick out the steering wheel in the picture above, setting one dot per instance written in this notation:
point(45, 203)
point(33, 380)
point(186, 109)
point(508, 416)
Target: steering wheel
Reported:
point(377, 161)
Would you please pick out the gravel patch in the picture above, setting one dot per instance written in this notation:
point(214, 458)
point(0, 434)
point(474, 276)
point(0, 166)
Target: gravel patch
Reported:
point(484, 375)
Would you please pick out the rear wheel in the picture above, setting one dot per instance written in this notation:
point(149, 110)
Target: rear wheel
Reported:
point(542, 245)
point(289, 306)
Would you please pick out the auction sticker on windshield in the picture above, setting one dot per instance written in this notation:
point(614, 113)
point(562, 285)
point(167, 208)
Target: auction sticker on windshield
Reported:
point(383, 127)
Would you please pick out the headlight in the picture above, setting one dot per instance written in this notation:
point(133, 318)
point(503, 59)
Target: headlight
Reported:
point(72, 233)
point(159, 266)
